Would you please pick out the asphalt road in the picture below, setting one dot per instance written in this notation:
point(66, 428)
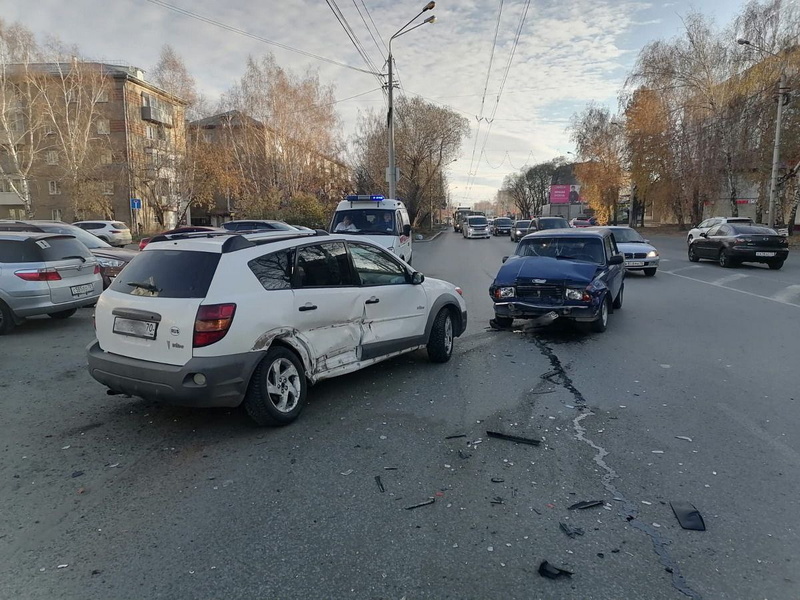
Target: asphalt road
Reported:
point(146, 501)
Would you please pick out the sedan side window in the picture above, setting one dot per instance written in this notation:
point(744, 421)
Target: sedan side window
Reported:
point(376, 267)
point(274, 270)
point(610, 249)
point(724, 230)
point(323, 265)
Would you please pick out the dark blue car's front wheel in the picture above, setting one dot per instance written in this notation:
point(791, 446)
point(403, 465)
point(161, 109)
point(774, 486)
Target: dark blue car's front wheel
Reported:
point(600, 324)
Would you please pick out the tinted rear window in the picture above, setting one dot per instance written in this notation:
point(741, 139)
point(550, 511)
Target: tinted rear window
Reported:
point(18, 252)
point(753, 230)
point(168, 274)
point(521, 224)
point(553, 224)
point(61, 248)
point(118, 225)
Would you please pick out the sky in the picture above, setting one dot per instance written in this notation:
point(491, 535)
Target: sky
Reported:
point(568, 55)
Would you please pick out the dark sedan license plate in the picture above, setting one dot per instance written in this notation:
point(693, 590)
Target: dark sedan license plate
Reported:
point(134, 328)
point(82, 290)
point(765, 254)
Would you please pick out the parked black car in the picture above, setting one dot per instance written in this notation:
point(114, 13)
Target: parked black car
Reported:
point(571, 274)
point(519, 229)
point(731, 244)
point(502, 226)
point(111, 260)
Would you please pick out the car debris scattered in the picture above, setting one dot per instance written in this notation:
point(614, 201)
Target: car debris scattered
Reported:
point(380, 483)
point(688, 516)
point(570, 531)
point(390, 468)
point(348, 472)
point(421, 504)
point(585, 504)
point(456, 436)
point(683, 437)
point(513, 438)
point(552, 572)
point(497, 480)
point(77, 474)
point(497, 500)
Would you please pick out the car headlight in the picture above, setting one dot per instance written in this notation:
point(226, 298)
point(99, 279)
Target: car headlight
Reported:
point(110, 263)
point(652, 254)
point(505, 292)
point(578, 294)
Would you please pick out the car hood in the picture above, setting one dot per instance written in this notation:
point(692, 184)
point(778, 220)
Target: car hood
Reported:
point(634, 247)
point(549, 269)
point(115, 253)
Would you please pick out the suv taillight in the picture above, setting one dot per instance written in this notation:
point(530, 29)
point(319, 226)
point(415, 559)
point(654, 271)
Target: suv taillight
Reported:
point(38, 274)
point(212, 323)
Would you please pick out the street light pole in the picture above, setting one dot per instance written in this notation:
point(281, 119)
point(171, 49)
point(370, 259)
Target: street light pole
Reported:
point(392, 170)
point(776, 151)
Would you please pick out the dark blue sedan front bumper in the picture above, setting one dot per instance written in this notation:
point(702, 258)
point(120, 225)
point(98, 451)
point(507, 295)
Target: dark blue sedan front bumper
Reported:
point(517, 309)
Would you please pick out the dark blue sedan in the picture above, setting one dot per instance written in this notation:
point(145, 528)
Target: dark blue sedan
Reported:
point(561, 273)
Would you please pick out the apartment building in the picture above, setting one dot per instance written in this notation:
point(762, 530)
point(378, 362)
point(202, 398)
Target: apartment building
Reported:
point(129, 171)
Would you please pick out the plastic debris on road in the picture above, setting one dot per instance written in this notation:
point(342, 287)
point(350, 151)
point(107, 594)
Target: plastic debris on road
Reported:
point(513, 438)
point(571, 531)
point(380, 483)
point(585, 504)
point(688, 516)
point(421, 504)
point(552, 572)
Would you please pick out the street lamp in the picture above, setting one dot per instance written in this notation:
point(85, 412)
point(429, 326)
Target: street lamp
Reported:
point(776, 151)
point(392, 171)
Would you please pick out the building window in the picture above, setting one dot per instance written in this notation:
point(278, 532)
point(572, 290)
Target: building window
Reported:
point(102, 96)
point(107, 157)
point(150, 132)
point(16, 213)
point(103, 127)
point(107, 188)
point(52, 157)
point(55, 188)
point(146, 99)
point(55, 214)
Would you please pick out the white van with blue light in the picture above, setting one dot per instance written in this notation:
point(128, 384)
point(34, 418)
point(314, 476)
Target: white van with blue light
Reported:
point(381, 221)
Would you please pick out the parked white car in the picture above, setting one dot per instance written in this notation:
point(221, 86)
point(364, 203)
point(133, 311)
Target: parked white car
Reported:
point(703, 227)
point(225, 319)
point(115, 233)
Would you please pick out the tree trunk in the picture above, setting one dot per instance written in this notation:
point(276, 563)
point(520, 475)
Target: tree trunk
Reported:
point(731, 184)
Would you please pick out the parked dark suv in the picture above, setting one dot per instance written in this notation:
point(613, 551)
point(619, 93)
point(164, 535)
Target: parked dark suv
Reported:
point(567, 273)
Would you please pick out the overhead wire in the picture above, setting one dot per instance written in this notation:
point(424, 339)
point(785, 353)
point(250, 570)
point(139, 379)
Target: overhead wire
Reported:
point(342, 19)
point(253, 36)
point(380, 50)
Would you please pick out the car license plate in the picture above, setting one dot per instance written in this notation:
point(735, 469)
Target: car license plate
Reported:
point(134, 328)
point(82, 290)
point(634, 263)
point(765, 254)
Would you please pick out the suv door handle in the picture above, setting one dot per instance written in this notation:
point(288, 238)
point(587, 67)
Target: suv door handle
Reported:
point(307, 306)
point(373, 300)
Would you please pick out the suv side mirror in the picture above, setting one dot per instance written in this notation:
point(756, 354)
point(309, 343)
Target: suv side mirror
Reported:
point(417, 277)
point(407, 230)
point(505, 258)
point(617, 259)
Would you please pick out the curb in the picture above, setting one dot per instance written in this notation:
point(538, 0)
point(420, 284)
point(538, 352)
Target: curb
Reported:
point(431, 238)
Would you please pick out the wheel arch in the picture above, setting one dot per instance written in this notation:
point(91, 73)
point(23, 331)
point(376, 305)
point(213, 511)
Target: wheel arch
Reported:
point(450, 303)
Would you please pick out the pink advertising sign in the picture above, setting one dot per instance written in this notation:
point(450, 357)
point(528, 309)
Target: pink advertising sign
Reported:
point(559, 194)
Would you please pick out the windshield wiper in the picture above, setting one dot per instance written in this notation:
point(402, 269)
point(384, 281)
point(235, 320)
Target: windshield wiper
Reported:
point(145, 286)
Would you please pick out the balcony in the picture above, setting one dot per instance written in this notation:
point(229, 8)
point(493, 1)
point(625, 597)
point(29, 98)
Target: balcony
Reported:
point(156, 114)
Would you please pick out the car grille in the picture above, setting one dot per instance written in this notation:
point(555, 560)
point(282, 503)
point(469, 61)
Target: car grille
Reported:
point(541, 294)
point(636, 255)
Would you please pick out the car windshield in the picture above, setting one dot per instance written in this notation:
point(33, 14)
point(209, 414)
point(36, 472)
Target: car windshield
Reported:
point(553, 224)
point(369, 221)
point(502, 221)
point(753, 230)
point(86, 238)
point(627, 236)
point(523, 224)
point(567, 248)
point(477, 221)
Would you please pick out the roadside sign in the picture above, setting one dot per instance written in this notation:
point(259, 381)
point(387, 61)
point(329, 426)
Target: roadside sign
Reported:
point(136, 203)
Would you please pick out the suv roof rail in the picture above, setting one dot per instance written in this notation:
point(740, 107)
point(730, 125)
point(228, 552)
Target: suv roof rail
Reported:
point(237, 240)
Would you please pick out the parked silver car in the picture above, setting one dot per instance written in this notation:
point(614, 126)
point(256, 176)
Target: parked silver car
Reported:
point(44, 274)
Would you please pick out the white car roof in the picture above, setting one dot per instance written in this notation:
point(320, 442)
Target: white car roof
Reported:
point(203, 242)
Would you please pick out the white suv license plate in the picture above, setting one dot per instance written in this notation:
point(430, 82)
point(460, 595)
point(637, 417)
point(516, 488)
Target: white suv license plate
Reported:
point(82, 290)
point(134, 328)
point(765, 254)
point(634, 263)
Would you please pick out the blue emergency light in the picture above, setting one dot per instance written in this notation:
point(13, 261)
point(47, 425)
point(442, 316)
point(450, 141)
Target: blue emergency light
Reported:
point(367, 197)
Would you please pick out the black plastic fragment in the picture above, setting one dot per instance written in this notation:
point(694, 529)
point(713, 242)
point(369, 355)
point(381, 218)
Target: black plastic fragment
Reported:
point(688, 516)
point(585, 504)
point(380, 483)
point(570, 531)
point(497, 500)
point(453, 437)
point(513, 438)
point(551, 572)
point(497, 480)
point(463, 455)
point(421, 504)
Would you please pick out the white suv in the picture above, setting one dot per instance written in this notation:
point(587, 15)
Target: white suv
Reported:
point(115, 233)
point(706, 225)
point(219, 319)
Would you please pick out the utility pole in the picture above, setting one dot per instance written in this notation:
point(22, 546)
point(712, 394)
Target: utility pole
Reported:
point(776, 152)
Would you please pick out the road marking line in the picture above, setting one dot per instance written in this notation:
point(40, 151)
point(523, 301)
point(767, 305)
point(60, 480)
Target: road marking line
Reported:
point(787, 293)
point(685, 269)
point(728, 279)
point(770, 298)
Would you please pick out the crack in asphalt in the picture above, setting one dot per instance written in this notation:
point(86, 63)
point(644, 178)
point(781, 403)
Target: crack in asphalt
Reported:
point(558, 376)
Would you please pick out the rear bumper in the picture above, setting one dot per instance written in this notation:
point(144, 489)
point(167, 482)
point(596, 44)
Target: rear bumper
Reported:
point(528, 310)
point(30, 306)
point(227, 377)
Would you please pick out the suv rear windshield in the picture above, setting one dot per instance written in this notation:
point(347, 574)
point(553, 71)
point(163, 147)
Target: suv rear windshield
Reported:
point(118, 225)
point(553, 223)
point(168, 274)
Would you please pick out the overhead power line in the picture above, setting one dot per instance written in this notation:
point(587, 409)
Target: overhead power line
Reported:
point(253, 36)
point(337, 12)
point(360, 14)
